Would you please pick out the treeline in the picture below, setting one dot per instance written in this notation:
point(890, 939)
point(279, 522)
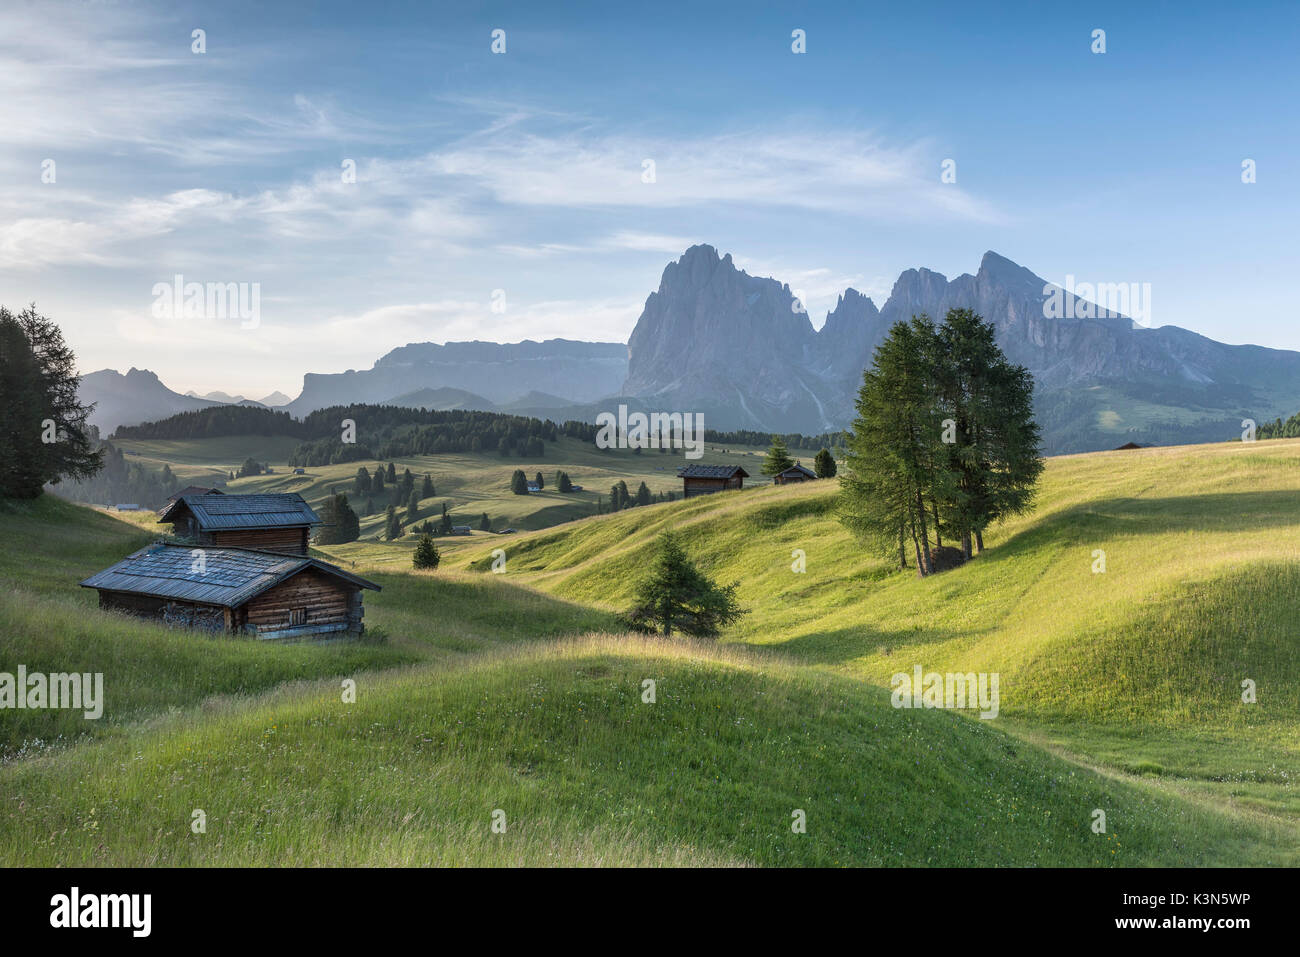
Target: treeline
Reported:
point(372, 432)
point(384, 432)
point(944, 443)
point(587, 431)
point(792, 440)
point(1277, 429)
point(217, 421)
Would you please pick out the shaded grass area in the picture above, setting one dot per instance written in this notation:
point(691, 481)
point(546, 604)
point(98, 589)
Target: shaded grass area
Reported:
point(559, 739)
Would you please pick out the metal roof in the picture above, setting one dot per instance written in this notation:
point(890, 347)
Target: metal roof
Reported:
point(798, 468)
point(218, 512)
point(711, 471)
point(227, 577)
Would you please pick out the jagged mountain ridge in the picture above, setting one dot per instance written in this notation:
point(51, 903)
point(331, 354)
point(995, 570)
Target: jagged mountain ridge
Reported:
point(736, 347)
point(715, 339)
point(499, 372)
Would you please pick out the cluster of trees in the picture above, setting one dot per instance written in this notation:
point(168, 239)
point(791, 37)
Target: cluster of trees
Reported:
point(778, 460)
point(1290, 429)
point(620, 498)
point(44, 436)
point(390, 432)
point(386, 488)
point(944, 442)
point(519, 482)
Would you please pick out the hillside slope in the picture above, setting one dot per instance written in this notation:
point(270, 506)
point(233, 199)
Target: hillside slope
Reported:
point(1200, 592)
point(560, 741)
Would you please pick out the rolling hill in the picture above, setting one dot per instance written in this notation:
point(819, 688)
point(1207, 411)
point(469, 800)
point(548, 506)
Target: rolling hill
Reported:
point(515, 692)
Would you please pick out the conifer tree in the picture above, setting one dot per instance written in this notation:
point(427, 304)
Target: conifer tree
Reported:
point(676, 596)
point(426, 553)
point(778, 457)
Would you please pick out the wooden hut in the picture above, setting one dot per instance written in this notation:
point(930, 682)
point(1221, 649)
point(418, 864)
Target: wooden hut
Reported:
point(707, 479)
point(795, 473)
point(278, 523)
point(263, 593)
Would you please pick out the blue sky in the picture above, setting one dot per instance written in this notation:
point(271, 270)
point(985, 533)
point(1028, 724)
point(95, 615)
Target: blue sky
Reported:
point(522, 171)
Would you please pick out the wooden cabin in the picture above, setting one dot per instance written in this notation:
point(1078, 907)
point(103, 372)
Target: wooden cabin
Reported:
point(707, 479)
point(265, 594)
point(278, 523)
point(795, 473)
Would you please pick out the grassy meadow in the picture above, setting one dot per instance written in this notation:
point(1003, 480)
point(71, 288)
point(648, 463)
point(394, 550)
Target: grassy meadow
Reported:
point(480, 692)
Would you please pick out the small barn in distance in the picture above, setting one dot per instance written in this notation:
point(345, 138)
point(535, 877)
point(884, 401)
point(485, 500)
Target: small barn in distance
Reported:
point(707, 479)
point(265, 594)
point(795, 473)
point(278, 523)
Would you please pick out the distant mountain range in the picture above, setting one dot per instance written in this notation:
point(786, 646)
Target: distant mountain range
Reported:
point(271, 401)
point(739, 348)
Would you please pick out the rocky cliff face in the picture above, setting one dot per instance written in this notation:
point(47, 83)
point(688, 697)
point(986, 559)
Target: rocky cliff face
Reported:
point(138, 396)
point(575, 371)
point(717, 340)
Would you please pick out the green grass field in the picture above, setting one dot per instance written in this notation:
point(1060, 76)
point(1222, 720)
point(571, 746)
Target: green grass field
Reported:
point(482, 692)
point(468, 483)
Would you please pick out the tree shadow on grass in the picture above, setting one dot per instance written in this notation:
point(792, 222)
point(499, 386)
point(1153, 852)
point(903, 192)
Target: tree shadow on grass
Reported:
point(489, 610)
point(841, 645)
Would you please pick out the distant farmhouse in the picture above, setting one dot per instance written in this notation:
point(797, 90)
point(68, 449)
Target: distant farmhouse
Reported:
point(795, 473)
point(707, 479)
point(461, 530)
point(265, 594)
point(277, 523)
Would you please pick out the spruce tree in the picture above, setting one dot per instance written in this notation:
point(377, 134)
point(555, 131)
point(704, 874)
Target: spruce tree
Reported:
point(392, 524)
point(426, 553)
point(676, 596)
point(778, 457)
point(44, 436)
point(824, 464)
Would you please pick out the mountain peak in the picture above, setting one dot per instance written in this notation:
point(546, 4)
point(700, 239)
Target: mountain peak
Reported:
point(999, 268)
